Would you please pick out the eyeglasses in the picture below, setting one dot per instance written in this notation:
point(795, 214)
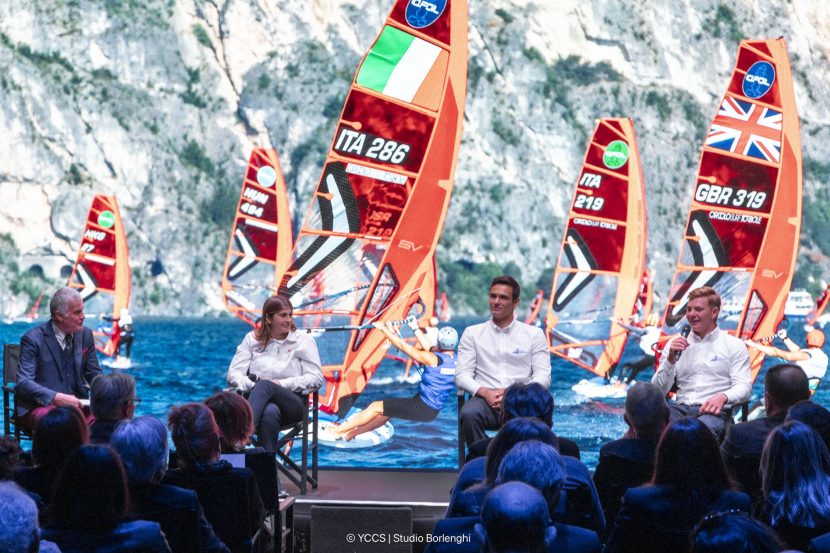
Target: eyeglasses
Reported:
point(136, 401)
point(708, 519)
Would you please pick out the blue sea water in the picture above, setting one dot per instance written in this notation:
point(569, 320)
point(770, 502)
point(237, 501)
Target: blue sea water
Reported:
point(179, 360)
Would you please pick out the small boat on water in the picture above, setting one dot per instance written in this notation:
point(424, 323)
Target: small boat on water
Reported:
point(799, 304)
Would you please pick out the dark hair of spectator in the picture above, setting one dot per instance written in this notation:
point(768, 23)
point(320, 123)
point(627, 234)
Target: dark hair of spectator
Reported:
point(538, 465)
point(508, 281)
point(689, 460)
point(10, 460)
point(513, 432)
point(787, 384)
point(194, 433)
point(515, 517)
point(795, 476)
point(813, 415)
point(91, 492)
point(734, 532)
point(233, 417)
point(527, 400)
point(57, 434)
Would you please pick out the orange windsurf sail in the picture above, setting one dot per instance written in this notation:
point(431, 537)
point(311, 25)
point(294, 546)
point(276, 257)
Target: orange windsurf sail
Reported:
point(744, 224)
point(365, 249)
point(102, 272)
point(597, 279)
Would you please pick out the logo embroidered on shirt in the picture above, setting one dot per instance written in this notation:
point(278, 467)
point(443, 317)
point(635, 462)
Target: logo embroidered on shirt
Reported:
point(716, 358)
point(518, 351)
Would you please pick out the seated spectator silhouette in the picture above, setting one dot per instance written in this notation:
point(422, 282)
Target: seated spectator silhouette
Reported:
point(525, 400)
point(690, 481)
point(142, 445)
point(795, 479)
point(19, 531)
point(629, 462)
point(235, 420)
point(111, 399)
point(57, 434)
point(11, 457)
point(784, 386)
point(579, 503)
point(540, 465)
point(731, 532)
point(228, 495)
point(514, 519)
point(813, 415)
point(88, 510)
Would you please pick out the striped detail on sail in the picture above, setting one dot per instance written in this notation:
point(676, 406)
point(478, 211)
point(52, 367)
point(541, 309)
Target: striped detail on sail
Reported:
point(405, 67)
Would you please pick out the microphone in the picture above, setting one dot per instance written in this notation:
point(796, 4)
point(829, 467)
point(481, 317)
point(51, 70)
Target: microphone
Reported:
point(685, 331)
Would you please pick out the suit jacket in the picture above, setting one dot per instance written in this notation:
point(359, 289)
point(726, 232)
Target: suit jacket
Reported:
point(820, 544)
point(457, 535)
point(623, 464)
point(39, 375)
point(742, 449)
point(137, 535)
point(658, 520)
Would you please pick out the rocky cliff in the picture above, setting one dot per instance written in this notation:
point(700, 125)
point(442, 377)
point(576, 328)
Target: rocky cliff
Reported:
point(161, 101)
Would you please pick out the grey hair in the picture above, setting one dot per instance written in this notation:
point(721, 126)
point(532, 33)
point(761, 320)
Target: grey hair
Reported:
point(60, 300)
point(108, 393)
point(646, 409)
point(142, 445)
point(18, 520)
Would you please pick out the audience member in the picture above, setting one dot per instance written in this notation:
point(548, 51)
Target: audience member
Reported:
point(112, 399)
point(629, 462)
point(229, 495)
point(88, 510)
point(784, 386)
point(526, 400)
point(10, 457)
point(732, 532)
point(515, 519)
point(540, 465)
point(689, 482)
point(795, 478)
point(813, 415)
point(19, 532)
point(495, 354)
point(235, 421)
point(58, 433)
point(142, 445)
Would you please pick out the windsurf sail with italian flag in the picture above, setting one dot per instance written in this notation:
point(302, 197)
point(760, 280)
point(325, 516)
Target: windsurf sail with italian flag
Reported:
point(742, 234)
point(261, 241)
point(365, 250)
point(601, 262)
point(535, 307)
point(102, 272)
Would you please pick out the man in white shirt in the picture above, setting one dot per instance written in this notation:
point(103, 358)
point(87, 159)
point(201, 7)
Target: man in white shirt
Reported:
point(495, 354)
point(712, 374)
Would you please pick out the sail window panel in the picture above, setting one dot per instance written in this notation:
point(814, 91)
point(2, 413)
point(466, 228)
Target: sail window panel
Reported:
point(584, 300)
point(718, 239)
point(732, 287)
point(375, 202)
point(388, 134)
point(327, 266)
point(255, 239)
point(754, 315)
point(251, 284)
point(593, 245)
point(430, 17)
point(601, 195)
point(564, 343)
point(387, 287)
point(735, 184)
point(100, 303)
point(331, 345)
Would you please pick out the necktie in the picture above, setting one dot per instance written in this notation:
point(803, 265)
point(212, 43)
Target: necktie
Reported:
point(67, 343)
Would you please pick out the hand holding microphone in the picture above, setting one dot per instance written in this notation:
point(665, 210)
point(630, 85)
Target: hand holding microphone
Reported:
point(678, 345)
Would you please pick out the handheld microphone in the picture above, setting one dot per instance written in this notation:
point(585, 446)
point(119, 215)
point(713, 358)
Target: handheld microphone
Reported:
point(685, 331)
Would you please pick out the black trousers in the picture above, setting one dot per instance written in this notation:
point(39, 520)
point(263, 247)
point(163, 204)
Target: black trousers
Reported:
point(477, 416)
point(274, 407)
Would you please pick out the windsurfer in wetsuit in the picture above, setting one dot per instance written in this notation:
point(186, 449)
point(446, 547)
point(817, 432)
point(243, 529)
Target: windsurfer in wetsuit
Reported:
point(647, 337)
point(437, 381)
point(811, 359)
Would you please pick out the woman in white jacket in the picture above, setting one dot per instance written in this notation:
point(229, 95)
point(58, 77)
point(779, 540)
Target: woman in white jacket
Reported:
point(275, 363)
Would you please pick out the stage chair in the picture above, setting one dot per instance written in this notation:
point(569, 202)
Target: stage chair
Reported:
point(462, 451)
point(299, 474)
point(11, 359)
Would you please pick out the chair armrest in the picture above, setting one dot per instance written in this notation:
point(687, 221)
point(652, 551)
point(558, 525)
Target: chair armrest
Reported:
point(744, 410)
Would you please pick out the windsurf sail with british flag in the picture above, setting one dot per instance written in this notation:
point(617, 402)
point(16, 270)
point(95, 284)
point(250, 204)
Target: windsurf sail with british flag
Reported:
point(602, 258)
point(535, 307)
point(366, 246)
point(744, 224)
point(102, 272)
point(260, 245)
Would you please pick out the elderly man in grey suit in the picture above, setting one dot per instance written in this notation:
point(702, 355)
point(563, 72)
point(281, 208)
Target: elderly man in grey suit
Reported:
point(57, 361)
